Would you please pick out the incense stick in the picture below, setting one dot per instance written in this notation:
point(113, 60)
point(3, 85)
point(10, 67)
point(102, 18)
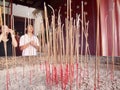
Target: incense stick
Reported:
point(1, 23)
point(47, 27)
point(82, 14)
point(97, 47)
point(113, 39)
point(5, 48)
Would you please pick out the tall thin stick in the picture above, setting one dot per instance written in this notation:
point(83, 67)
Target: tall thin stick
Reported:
point(4, 12)
point(54, 34)
point(113, 39)
point(46, 28)
point(5, 48)
point(82, 9)
point(97, 47)
point(1, 23)
point(63, 43)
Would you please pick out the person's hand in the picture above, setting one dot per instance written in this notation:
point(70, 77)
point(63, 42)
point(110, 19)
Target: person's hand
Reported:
point(11, 32)
point(3, 36)
point(5, 29)
point(32, 43)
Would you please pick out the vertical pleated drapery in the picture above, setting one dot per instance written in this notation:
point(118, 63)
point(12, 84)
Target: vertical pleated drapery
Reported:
point(110, 27)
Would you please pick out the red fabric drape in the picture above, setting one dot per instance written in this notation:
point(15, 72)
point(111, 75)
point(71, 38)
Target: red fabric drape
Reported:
point(110, 27)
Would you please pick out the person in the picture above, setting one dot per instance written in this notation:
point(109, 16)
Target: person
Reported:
point(29, 43)
point(18, 51)
point(7, 37)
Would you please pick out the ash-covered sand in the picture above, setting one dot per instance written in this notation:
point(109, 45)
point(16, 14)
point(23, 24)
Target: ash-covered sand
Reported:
point(33, 77)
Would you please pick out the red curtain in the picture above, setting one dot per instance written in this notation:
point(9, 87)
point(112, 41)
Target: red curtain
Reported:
point(110, 27)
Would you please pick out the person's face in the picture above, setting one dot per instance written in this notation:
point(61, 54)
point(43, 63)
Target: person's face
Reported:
point(30, 28)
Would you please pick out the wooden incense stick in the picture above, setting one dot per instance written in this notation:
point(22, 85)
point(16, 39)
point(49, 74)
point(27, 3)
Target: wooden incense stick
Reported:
point(78, 52)
point(14, 49)
point(63, 44)
point(77, 36)
point(46, 28)
point(43, 38)
point(12, 27)
point(5, 48)
point(5, 45)
point(67, 33)
point(82, 19)
point(60, 36)
point(113, 40)
point(86, 23)
point(54, 34)
point(97, 47)
point(1, 23)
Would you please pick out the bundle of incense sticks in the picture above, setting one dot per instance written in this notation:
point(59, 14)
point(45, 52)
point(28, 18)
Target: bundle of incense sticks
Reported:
point(64, 49)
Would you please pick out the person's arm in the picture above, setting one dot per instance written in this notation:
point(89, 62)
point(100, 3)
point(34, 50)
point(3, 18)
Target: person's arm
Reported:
point(14, 42)
point(24, 46)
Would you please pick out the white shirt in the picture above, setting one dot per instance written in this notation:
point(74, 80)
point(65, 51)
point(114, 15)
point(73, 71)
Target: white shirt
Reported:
point(30, 50)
